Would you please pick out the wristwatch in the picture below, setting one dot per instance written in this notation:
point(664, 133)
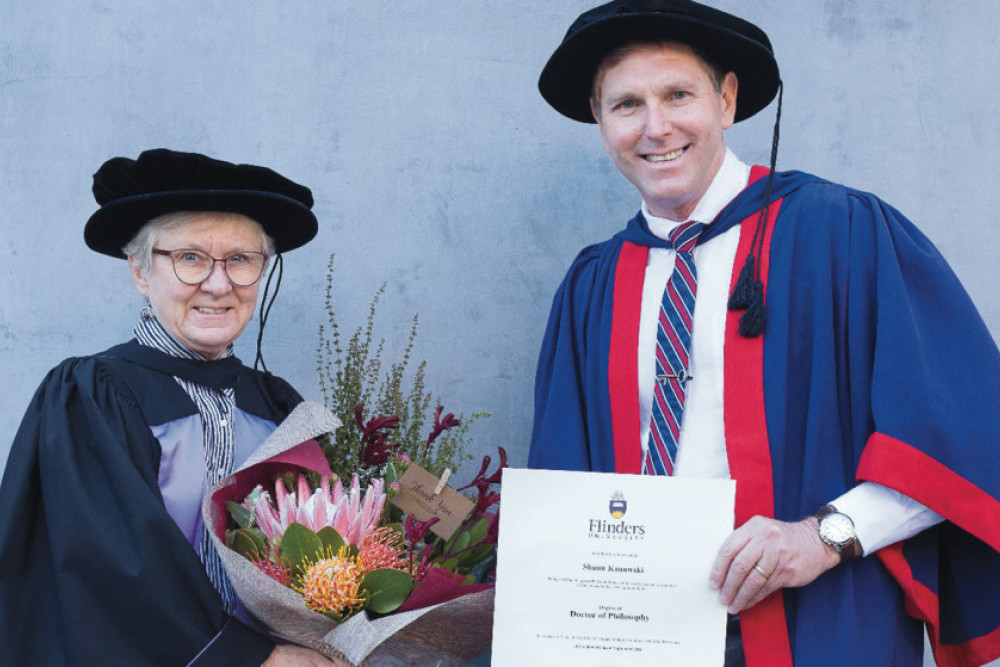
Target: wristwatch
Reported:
point(837, 530)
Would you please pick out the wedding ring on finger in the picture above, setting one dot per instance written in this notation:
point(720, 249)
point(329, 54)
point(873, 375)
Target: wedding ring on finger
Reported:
point(762, 572)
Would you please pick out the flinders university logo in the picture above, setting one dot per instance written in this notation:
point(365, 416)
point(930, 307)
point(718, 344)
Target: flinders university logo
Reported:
point(618, 505)
point(602, 529)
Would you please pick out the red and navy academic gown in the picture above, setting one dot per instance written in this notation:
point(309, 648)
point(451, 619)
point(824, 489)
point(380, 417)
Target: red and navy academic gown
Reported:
point(874, 365)
point(93, 568)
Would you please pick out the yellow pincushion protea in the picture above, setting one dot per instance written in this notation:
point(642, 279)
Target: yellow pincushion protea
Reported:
point(382, 548)
point(331, 585)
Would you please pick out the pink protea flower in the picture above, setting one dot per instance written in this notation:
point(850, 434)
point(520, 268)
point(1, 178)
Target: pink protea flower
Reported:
point(350, 513)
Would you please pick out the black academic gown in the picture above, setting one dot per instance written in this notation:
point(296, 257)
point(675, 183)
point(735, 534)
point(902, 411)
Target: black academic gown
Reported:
point(93, 570)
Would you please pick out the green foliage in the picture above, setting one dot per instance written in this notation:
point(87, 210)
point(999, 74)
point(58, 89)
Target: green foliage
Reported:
point(331, 539)
point(386, 590)
point(353, 373)
point(247, 542)
point(301, 547)
point(467, 550)
point(241, 515)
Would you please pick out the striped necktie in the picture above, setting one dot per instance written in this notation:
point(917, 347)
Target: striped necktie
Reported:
point(673, 342)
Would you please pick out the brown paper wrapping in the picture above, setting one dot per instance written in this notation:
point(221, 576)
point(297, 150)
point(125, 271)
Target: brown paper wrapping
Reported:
point(446, 634)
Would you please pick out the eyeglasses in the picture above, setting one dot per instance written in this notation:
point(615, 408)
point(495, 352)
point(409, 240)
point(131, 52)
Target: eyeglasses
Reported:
point(193, 267)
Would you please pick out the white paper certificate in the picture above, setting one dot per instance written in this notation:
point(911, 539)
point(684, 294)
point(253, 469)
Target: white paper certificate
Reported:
point(601, 569)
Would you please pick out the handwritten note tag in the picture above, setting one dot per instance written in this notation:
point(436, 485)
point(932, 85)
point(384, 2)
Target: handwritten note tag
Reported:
point(418, 498)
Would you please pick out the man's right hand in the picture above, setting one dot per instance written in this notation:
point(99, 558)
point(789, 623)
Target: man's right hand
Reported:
point(764, 555)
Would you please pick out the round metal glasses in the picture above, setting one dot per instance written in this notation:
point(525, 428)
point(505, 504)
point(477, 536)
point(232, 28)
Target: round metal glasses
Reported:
point(193, 267)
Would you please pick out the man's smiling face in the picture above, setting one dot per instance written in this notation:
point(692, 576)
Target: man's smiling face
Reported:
point(662, 116)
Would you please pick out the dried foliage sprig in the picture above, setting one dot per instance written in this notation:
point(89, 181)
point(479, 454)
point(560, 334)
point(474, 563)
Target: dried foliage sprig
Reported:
point(352, 374)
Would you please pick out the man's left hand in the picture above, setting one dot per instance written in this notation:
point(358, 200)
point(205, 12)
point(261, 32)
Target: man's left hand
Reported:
point(764, 555)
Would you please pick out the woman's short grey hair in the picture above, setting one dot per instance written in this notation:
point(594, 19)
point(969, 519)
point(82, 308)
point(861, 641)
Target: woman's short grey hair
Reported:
point(144, 241)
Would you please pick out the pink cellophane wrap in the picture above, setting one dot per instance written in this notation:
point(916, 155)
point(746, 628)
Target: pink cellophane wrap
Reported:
point(449, 633)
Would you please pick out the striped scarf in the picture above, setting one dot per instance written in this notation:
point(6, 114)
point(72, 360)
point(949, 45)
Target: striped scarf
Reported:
point(216, 409)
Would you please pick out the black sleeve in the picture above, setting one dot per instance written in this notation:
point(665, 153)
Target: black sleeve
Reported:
point(93, 571)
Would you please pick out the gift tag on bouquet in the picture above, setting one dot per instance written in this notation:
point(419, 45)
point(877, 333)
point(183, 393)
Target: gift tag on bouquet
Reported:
point(424, 496)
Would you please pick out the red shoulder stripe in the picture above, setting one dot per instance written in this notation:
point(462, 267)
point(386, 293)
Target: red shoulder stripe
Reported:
point(764, 627)
point(623, 357)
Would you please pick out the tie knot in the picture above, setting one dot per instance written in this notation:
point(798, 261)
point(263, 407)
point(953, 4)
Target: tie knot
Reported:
point(683, 237)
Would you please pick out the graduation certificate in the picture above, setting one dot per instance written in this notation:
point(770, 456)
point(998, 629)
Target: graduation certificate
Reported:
point(605, 569)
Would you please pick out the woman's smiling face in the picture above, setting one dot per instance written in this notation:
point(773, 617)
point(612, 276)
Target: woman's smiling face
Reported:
point(207, 317)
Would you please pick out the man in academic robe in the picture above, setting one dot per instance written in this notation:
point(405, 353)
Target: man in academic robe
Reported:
point(799, 340)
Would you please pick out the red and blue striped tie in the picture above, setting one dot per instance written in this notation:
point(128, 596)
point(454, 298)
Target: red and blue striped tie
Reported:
point(673, 341)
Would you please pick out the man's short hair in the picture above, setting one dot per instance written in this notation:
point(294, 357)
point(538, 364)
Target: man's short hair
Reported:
point(715, 74)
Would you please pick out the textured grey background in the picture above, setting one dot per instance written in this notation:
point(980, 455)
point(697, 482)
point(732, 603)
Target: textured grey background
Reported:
point(436, 165)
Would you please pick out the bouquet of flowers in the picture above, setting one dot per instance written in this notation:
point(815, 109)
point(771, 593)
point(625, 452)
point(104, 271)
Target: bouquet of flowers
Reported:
point(340, 568)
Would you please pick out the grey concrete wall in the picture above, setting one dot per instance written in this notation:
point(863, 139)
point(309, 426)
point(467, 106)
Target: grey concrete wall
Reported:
point(436, 165)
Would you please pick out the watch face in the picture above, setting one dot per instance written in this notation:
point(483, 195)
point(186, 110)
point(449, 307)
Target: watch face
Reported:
point(836, 528)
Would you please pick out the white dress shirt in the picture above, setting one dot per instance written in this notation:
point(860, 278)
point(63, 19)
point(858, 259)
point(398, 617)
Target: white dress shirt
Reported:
point(881, 515)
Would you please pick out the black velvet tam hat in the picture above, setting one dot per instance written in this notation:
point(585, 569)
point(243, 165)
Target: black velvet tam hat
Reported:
point(160, 181)
point(727, 41)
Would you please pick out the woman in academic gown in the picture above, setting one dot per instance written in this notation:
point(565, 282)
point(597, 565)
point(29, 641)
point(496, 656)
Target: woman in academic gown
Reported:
point(103, 556)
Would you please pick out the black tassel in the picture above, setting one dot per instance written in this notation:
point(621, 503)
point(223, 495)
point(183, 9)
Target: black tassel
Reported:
point(748, 294)
point(743, 292)
point(752, 321)
point(267, 299)
point(266, 303)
